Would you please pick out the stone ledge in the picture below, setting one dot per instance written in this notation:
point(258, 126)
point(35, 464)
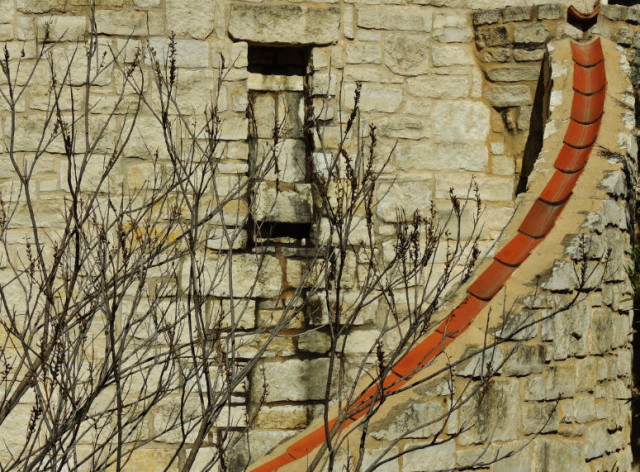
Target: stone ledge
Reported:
point(284, 24)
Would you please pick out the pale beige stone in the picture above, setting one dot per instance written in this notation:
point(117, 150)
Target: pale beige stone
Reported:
point(407, 53)
point(195, 19)
point(440, 86)
point(452, 56)
point(452, 124)
point(284, 23)
point(395, 18)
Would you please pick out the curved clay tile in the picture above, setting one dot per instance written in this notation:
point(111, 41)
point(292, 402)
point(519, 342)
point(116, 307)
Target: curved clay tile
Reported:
point(588, 105)
point(582, 21)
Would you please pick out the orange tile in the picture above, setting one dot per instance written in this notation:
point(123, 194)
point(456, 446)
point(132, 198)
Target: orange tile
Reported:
point(491, 280)
point(275, 464)
point(460, 319)
point(309, 441)
point(364, 403)
point(589, 80)
point(517, 250)
point(587, 54)
point(587, 108)
point(571, 159)
point(581, 136)
point(540, 218)
point(559, 187)
point(419, 356)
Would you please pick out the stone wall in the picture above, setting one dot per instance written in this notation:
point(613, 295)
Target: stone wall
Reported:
point(457, 89)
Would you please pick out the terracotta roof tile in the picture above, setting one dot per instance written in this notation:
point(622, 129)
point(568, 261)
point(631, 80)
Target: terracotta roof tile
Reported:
point(517, 250)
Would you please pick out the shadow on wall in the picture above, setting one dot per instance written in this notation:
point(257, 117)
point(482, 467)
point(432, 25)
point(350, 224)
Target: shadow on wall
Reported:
point(539, 116)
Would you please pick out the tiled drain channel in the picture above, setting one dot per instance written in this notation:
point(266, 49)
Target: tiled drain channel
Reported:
point(589, 85)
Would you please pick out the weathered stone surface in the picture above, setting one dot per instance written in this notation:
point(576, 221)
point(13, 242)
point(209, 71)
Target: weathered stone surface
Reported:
point(478, 365)
point(613, 12)
point(364, 53)
point(452, 56)
point(526, 55)
point(633, 14)
point(473, 157)
point(492, 189)
point(407, 53)
point(291, 206)
point(550, 11)
point(486, 17)
point(448, 28)
point(395, 18)
point(247, 280)
point(561, 381)
point(284, 23)
point(409, 196)
point(493, 37)
point(516, 14)
point(535, 388)
point(423, 417)
point(501, 96)
point(525, 360)
point(127, 22)
point(539, 417)
point(314, 341)
point(495, 55)
point(599, 336)
point(293, 380)
point(598, 439)
point(513, 74)
point(431, 459)
point(559, 454)
point(531, 34)
point(440, 86)
point(376, 98)
point(452, 126)
point(195, 21)
point(570, 331)
point(624, 36)
point(39, 6)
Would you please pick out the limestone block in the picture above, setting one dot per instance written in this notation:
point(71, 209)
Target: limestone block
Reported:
point(599, 335)
point(122, 22)
point(535, 388)
point(348, 17)
point(586, 370)
point(613, 12)
point(570, 331)
point(364, 53)
point(146, 3)
point(550, 11)
point(249, 276)
point(404, 126)
point(284, 23)
point(525, 360)
point(409, 196)
point(282, 417)
point(62, 28)
point(448, 28)
point(449, 55)
point(197, 21)
point(598, 439)
point(423, 419)
point(516, 14)
point(486, 17)
point(503, 165)
point(493, 37)
point(314, 341)
point(407, 53)
point(189, 53)
point(290, 156)
point(559, 454)
point(294, 380)
point(395, 18)
point(431, 459)
point(290, 206)
point(7, 11)
point(531, 34)
point(492, 189)
point(539, 417)
point(233, 129)
point(519, 326)
point(560, 382)
point(633, 14)
point(440, 86)
point(495, 55)
point(525, 55)
point(624, 36)
point(478, 365)
point(152, 460)
point(458, 156)
point(501, 96)
point(513, 74)
point(461, 121)
point(376, 98)
point(39, 6)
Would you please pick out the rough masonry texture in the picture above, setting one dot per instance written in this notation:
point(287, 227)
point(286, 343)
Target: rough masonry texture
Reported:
point(458, 90)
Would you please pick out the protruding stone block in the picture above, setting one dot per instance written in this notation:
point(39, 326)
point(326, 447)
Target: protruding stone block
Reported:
point(284, 24)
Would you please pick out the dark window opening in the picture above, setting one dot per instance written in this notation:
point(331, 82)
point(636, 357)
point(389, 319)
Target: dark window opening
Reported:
point(626, 3)
point(269, 60)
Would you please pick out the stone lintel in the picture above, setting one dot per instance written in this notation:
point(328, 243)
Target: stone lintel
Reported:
point(284, 24)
